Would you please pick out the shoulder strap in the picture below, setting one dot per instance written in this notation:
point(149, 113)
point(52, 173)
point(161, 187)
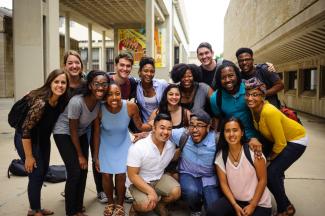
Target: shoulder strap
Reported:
point(248, 154)
point(183, 140)
point(224, 156)
point(219, 101)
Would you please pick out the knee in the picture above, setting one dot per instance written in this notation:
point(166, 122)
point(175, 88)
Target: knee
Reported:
point(173, 195)
point(142, 207)
point(189, 190)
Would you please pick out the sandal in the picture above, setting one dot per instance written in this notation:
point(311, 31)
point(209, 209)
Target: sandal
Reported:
point(291, 210)
point(132, 211)
point(119, 210)
point(109, 209)
point(43, 211)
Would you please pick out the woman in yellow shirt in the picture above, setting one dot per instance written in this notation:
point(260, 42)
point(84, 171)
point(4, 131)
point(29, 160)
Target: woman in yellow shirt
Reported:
point(288, 137)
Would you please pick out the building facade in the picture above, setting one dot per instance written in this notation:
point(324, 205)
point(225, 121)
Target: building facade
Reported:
point(291, 35)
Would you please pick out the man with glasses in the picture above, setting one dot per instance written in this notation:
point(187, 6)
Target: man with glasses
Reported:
point(197, 177)
point(248, 70)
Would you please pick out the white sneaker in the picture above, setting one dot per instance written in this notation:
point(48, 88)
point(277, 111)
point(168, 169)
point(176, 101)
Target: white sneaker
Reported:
point(196, 213)
point(102, 198)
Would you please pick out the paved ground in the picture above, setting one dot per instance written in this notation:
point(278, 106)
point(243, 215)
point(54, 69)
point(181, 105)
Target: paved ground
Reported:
point(305, 180)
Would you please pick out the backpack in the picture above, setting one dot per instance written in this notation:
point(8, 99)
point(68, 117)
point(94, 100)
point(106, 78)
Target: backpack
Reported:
point(17, 168)
point(290, 113)
point(18, 112)
point(246, 152)
point(56, 174)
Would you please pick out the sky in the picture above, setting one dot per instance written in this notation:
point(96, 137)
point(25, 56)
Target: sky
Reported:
point(205, 21)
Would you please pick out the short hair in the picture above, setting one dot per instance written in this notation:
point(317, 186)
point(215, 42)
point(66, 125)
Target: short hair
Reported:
point(162, 116)
point(204, 44)
point(224, 65)
point(90, 77)
point(124, 55)
point(146, 60)
point(244, 50)
point(179, 70)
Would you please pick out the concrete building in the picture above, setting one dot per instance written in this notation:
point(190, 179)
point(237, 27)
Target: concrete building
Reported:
point(36, 34)
point(291, 35)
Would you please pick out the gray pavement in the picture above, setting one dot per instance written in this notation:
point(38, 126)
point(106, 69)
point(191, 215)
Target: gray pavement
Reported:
point(305, 180)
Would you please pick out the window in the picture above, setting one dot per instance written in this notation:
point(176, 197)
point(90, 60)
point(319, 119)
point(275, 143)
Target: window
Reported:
point(292, 80)
point(110, 59)
point(322, 81)
point(310, 79)
point(176, 55)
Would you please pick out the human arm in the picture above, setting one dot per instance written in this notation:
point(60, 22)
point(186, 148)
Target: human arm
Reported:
point(256, 147)
point(32, 118)
point(73, 125)
point(96, 140)
point(227, 191)
point(152, 116)
point(261, 173)
point(133, 112)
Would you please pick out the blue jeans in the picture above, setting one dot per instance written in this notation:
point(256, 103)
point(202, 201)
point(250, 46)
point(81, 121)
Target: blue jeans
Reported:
point(194, 194)
point(275, 173)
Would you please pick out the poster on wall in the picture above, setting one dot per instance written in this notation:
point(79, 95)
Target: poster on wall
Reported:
point(134, 41)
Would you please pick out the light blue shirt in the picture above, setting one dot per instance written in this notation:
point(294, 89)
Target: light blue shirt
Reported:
point(159, 86)
point(198, 159)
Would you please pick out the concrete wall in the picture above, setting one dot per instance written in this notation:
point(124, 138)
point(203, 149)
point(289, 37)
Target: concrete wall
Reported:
point(248, 22)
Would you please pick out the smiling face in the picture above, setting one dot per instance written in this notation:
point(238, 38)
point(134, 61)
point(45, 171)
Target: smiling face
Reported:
point(233, 133)
point(73, 66)
point(147, 73)
point(173, 96)
point(114, 96)
point(205, 56)
point(161, 131)
point(254, 98)
point(187, 79)
point(245, 62)
point(123, 68)
point(198, 129)
point(99, 86)
point(228, 79)
point(59, 85)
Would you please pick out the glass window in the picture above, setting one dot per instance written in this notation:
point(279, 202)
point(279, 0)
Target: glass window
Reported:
point(310, 79)
point(292, 80)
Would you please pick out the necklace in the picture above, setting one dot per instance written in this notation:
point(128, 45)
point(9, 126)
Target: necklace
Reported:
point(236, 160)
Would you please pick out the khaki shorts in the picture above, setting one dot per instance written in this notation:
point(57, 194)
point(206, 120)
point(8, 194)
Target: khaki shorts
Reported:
point(163, 187)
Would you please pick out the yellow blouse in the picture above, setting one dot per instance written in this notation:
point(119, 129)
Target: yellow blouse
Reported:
point(277, 127)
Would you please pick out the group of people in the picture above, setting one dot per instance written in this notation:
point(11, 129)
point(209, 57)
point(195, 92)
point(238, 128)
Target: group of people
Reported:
point(214, 138)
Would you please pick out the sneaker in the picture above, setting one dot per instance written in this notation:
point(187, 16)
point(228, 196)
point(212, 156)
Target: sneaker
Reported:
point(196, 213)
point(128, 197)
point(102, 198)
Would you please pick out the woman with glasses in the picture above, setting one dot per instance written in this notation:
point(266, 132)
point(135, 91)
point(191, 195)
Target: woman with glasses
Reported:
point(289, 140)
point(112, 141)
point(71, 138)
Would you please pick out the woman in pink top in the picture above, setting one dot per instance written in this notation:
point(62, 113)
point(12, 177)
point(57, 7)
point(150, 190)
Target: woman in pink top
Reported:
point(242, 177)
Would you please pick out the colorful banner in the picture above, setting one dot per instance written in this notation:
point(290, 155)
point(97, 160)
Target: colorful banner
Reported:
point(134, 41)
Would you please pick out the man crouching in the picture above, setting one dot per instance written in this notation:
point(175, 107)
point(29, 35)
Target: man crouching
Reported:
point(147, 160)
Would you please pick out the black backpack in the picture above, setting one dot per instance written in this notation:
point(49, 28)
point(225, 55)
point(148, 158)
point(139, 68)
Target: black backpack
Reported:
point(17, 168)
point(18, 112)
point(56, 174)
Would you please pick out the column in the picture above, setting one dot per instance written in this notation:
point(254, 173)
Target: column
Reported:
point(67, 31)
point(52, 37)
point(103, 65)
point(150, 28)
point(27, 46)
point(90, 47)
point(115, 42)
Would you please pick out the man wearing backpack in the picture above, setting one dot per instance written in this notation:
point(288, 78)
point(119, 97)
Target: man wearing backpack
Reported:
point(197, 177)
point(248, 70)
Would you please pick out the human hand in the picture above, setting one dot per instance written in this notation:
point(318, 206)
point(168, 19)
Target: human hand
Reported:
point(83, 163)
point(256, 146)
point(152, 200)
point(239, 211)
point(97, 165)
point(138, 136)
point(249, 209)
point(30, 164)
point(270, 67)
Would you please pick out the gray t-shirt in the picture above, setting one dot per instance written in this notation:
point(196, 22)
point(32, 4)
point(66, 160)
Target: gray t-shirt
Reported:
point(76, 109)
point(200, 99)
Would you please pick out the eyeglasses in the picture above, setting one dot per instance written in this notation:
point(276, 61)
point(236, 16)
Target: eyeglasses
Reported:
point(198, 126)
point(244, 60)
point(98, 84)
point(253, 94)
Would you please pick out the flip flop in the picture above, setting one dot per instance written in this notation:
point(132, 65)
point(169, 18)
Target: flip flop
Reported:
point(43, 211)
